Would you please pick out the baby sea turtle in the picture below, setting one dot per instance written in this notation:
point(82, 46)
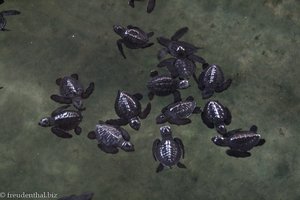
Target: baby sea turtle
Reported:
point(128, 108)
point(164, 85)
point(150, 6)
point(84, 196)
point(212, 80)
point(178, 49)
point(72, 91)
point(63, 120)
point(5, 13)
point(168, 151)
point(214, 114)
point(111, 137)
point(240, 142)
point(132, 37)
point(178, 113)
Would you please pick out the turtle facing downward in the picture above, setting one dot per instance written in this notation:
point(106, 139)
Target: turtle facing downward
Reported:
point(128, 108)
point(150, 6)
point(212, 80)
point(240, 142)
point(5, 13)
point(163, 85)
point(214, 114)
point(168, 151)
point(63, 120)
point(132, 37)
point(111, 137)
point(72, 91)
point(178, 113)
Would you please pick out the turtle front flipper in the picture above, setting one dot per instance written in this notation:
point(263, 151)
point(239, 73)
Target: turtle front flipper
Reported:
point(150, 34)
point(178, 121)
point(180, 165)
point(10, 12)
point(180, 143)
point(166, 62)
point(196, 58)
point(60, 99)
point(120, 47)
point(154, 148)
point(223, 86)
point(177, 96)
point(138, 96)
point(179, 33)
point(159, 168)
point(147, 45)
point(89, 91)
point(118, 122)
point(146, 111)
point(197, 110)
point(56, 111)
point(238, 154)
point(228, 117)
point(60, 132)
point(106, 149)
point(151, 5)
point(253, 128)
point(153, 74)
point(163, 41)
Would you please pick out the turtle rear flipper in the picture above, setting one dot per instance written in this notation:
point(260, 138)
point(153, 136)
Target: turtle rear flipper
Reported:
point(106, 149)
point(150, 6)
point(180, 143)
point(146, 111)
point(60, 132)
point(180, 165)
point(10, 12)
point(179, 33)
point(77, 130)
point(223, 86)
point(159, 168)
point(150, 34)
point(89, 91)
point(92, 135)
point(238, 154)
point(261, 142)
point(60, 99)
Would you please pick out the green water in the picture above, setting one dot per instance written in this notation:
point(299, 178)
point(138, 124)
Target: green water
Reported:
point(256, 43)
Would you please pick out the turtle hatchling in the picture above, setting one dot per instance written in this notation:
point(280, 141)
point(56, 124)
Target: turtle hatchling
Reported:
point(5, 13)
point(132, 37)
point(164, 85)
point(150, 6)
point(72, 91)
point(178, 113)
point(129, 109)
point(240, 142)
point(212, 80)
point(216, 115)
point(63, 120)
point(110, 138)
point(168, 151)
point(84, 196)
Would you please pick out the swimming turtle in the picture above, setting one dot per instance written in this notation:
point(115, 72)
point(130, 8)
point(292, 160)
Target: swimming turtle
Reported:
point(5, 13)
point(212, 80)
point(110, 138)
point(168, 151)
point(214, 114)
point(240, 142)
point(84, 196)
point(178, 113)
point(178, 49)
point(63, 120)
point(132, 37)
point(150, 6)
point(72, 91)
point(128, 108)
point(164, 85)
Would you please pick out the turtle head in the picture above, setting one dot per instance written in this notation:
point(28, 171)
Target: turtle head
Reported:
point(219, 140)
point(162, 118)
point(221, 128)
point(165, 131)
point(183, 84)
point(77, 103)
point(127, 146)
point(120, 30)
point(181, 51)
point(46, 122)
point(135, 123)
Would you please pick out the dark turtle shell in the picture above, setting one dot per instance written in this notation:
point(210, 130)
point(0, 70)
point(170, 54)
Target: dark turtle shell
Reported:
point(67, 119)
point(243, 140)
point(181, 109)
point(185, 68)
point(70, 87)
point(127, 106)
point(168, 152)
point(162, 85)
point(214, 111)
point(136, 36)
point(212, 77)
point(108, 135)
